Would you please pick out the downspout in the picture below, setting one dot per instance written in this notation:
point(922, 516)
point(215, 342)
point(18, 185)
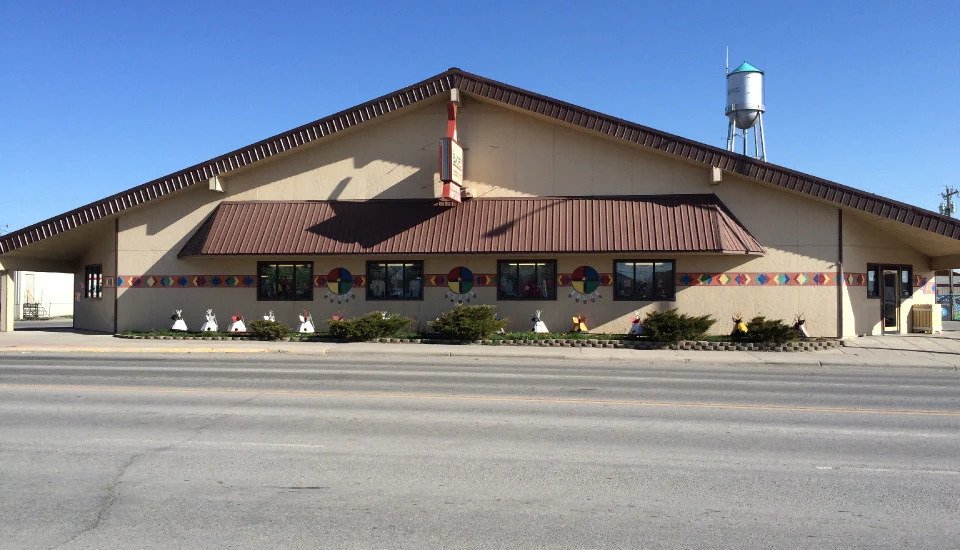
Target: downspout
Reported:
point(841, 283)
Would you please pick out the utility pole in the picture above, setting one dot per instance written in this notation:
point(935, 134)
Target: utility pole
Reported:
point(946, 207)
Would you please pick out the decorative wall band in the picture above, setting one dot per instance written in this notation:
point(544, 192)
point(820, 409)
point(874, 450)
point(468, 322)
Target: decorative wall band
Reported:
point(186, 281)
point(772, 279)
point(768, 279)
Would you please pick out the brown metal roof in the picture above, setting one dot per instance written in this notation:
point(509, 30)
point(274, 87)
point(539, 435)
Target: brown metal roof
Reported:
point(471, 84)
point(662, 223)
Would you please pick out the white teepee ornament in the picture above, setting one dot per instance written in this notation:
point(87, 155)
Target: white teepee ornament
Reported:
point(306, 323)
point(211, 324)
point(238, 324)
point(178, 323)
point(636, 329)
point(269, 316)
point(538, 324)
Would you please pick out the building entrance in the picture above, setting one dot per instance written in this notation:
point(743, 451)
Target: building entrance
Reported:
point(890, 300)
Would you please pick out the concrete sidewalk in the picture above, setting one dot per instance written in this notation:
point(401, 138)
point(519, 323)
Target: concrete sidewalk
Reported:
point(882, 351)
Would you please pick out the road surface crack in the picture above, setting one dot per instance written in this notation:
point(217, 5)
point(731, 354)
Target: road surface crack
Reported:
point(112, 492)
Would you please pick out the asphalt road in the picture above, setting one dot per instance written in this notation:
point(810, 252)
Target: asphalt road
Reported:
point(283, 451)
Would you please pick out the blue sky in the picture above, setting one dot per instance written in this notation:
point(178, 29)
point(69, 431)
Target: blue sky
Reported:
point(102, 96)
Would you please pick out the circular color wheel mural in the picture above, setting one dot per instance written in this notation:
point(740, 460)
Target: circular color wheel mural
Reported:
point(585, 279)
point(339, 281)
point(460, 280)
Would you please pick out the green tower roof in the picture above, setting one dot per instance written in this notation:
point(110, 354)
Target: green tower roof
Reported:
point(746, 68)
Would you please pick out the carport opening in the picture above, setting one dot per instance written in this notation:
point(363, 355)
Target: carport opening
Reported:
point(43, 300)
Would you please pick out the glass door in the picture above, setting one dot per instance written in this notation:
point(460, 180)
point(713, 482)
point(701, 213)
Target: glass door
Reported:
point(890, 298)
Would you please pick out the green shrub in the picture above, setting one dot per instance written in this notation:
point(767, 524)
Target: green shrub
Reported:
point(768, 331)
point(268, 330)
point(475, 322)
point(376, 324)
point(670, 326)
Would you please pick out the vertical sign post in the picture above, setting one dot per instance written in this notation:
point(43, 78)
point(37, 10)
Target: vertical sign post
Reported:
point(451, 158)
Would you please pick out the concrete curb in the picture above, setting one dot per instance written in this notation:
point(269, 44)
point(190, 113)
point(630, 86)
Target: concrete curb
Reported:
point(346, 351)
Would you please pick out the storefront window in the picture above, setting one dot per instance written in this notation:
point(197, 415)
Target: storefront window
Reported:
point(93, 281)
point(284, 281)
point(644, 280)
point(873, 279)
point(527, 280)
point(395, 280)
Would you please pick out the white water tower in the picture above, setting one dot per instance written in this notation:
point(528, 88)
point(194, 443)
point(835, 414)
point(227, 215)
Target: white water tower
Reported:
point(745, 109)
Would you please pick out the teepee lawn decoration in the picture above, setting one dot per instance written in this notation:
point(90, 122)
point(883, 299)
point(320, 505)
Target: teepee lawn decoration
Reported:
point(538, 324)
point(269, 316)
point(586, 284)
point(237, 324)
point(306, 323)
point(339, 286)
point(636, 327)
point(801, 327)
point(211, 324)
point(460, 286)
point(178, 323)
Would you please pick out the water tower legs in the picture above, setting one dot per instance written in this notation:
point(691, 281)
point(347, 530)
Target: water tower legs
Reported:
point(763, 138)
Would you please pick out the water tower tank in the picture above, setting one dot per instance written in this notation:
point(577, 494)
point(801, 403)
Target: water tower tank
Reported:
point(745, 95)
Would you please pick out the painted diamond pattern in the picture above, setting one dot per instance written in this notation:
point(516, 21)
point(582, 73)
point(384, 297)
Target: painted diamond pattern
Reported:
point(232, 281)
point(741, 279)
point(248, 280)
point(358, 280)
point(802, 279)
point(201, 281)
point(182, 281)
point(606, 279)
point(151, 280)
point(166, 280)
point(120, 282)
point(762, 278)
point(783, 278)
point(820, 279)
point(705, 279)
point(216, 281)
point(686, 279)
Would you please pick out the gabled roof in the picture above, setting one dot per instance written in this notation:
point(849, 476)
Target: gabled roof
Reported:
point(507, 95)
point(660, 223)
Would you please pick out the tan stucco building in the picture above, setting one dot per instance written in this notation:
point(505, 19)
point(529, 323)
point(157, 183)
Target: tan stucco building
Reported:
point(566, 211)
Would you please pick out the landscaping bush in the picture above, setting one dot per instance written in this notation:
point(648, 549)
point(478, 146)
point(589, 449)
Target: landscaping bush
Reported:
point(767, 331)
point(670, 326)
point(468, 323)
point(269, 330)
point(376, 324)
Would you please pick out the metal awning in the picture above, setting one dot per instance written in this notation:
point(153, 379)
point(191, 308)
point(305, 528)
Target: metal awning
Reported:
point(557, 225)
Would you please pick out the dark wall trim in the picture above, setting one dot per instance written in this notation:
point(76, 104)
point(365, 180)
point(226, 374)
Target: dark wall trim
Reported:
point(841, 284)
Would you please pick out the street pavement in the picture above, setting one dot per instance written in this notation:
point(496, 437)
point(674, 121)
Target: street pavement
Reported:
point(285, 450)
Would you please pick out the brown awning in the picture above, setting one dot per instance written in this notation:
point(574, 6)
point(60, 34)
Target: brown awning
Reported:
point(662, 223)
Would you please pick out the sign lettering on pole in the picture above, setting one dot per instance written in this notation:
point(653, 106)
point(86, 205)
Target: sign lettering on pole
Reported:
point(451, 169)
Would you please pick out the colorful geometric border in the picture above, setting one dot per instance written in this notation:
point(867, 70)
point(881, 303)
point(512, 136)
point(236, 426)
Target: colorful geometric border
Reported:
point(185, 281)
point(768, 279)
point(772, 279)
